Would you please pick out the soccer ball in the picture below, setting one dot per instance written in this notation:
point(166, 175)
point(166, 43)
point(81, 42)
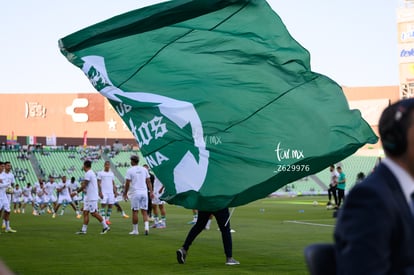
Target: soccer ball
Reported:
point(9, 190)
point(315, 203)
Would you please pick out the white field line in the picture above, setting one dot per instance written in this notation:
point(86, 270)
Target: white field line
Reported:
point(309, 223)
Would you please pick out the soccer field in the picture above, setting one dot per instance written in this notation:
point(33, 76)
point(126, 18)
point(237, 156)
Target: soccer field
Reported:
point(270, 237)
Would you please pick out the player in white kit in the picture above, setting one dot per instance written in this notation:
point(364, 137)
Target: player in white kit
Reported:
point(50, 191)
point(158, 204)
point(64, 197)
point(107, 191)
point(137, 184)
point(17, 199)
point(6, 181)
point(73, 186)
point(27, 194)
point(89, 185)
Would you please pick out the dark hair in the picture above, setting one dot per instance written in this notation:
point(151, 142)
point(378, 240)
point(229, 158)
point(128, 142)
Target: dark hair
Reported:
point(134, 158)
point(393, 126)
point(360, 176)
point(87, 164)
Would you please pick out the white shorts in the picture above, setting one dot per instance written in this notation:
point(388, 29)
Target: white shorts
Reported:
point(27, 199)
point(63, 199)
point(17, 200)
point(139, 201)
point(76, 198)
point(51, 199)
point(90, 206)
point(156, 200)
point(5, 205)
point(41, 200)
point(108, 198)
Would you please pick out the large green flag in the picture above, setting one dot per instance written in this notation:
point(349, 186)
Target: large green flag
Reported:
point(220, 98)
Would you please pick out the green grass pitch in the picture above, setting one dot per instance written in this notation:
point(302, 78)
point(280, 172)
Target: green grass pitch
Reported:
point(270, 237)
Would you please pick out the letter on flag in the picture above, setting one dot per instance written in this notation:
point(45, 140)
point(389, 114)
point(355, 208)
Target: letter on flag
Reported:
point(220, 98)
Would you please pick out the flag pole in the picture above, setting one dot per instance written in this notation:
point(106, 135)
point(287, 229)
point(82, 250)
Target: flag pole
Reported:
point(231, 213)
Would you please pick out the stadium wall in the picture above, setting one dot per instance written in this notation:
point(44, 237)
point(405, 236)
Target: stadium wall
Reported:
point(73, 118)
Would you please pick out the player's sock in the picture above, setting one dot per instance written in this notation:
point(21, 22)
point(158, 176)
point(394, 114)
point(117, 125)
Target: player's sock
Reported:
point(108, 213)
point(208, 224)
point(52, 209)
point(146, 225)
point(135, 227)
point(84, 227)
point(102, 212)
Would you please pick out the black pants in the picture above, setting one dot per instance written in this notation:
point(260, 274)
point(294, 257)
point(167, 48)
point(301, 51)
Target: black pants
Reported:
point(149, 211)
point(222, 216)
point(332, 191)
point(341, 196)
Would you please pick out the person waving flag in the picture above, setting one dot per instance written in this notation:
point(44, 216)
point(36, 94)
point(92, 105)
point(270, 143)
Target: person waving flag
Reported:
point(220, 98)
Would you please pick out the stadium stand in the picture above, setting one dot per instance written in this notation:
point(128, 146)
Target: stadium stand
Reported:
point(121, 161)
point(21, 165)
point(57, 162)
point(309, 185)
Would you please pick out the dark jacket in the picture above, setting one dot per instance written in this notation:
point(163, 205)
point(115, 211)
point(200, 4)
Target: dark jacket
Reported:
point(374, 233)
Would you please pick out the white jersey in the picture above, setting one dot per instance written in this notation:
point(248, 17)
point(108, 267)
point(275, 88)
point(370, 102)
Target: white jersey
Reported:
point(138, 176)
point(73, 187)
point(50, 189)
point(91, 190)
point(157, 187)
point(107, 179)
point(334, 177)
point(40, 194)
point(65, 188)
point(7, 179)
point(27, 192)
point(17, 193)
point(157, 194)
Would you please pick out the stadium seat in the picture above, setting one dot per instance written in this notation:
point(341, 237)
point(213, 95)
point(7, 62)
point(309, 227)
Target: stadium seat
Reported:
point(320, 259)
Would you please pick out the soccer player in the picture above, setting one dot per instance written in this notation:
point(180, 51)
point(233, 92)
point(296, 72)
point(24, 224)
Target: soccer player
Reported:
point(41, 198)
point(27, 196)
point(50, 189)
point(17, 199)
point(107, 191)
point(64, 197)
point(137, 184)
point(89, 185)
point(73, 186)
point(6, 181)
point(158, 204)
